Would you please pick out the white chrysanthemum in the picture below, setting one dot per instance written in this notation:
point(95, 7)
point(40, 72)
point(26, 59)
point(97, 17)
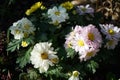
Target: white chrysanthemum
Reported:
point(57, 15)
point(78, 29)
point(71, 36)
point(27, 26)
point(22, 28)
point(111, 31)
point(69, 39)
point(79, 43)
point(85, 9)
point(88, 54)
point(16, 30)
point(111, 44)
point(75, 76)
point(43, 56)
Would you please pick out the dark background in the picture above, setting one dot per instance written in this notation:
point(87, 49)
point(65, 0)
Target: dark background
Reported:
point(13, 10)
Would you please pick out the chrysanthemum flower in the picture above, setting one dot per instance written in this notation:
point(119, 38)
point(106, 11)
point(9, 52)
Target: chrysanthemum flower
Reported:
point(93, 36)
point(57, 15)
point(111, 44)
point(27, 26)
point(33, 8)
point(111, 31)
point(22, 28)
point(68, 5)
point(88, 54)
point(78, 29)
point(24, 44)
point(43, 56)
point(75, 76)
point(71, 36)
point(80, 43)
point(85, 40)
point(17, 31)
point(85, 9)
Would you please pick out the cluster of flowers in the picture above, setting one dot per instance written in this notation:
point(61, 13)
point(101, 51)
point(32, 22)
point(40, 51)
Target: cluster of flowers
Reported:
point(112, 34)
point(85, 40)
point(22, 28)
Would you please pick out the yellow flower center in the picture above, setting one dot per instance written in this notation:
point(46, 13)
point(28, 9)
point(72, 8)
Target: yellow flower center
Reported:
point(27, 27)
point(110, 42)
point(56, 23)
point(111, 32)
point(83, 9)
point(74, 12)
point(91, 36)
point(57, 13)
point(26, 34)
point(17, 31)
point(44, 56)
point(54, 60)
point(89, 54)
point(80, 43)
point(24, 44)
point(69, 45)
point(75, 73)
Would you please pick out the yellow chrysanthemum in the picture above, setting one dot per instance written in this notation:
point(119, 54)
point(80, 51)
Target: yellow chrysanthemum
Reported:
point(42, 7)
point(68, 5)
point(34, 7)
point(24, 44)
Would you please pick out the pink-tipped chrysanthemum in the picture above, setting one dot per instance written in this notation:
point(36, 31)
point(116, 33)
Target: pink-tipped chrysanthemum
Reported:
point(93, 36)
point(88, 54)
point(71, 36)
point(86, 41)
point(80, 43)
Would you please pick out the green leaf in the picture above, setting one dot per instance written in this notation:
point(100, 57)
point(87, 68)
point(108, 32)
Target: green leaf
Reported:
point(11, 1)
point(92, 66)
point(70, 53)
point(30, 39)
point(24, 59)
point(111, 76)
point(23, 76)
point(56, 72)
point(15, 44)
point(32, 74)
